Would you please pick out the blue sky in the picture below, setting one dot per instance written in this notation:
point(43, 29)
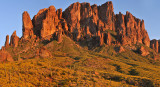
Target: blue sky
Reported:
point(11, 13)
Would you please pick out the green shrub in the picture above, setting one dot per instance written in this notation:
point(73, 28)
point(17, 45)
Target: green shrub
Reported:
point(133, 72)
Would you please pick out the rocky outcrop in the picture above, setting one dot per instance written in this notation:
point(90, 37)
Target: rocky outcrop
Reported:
point(49, 23)
point(89, 25)
point(143, 51)
point(120, 27)
point(43, 53)
point(106, 14)
point(59, 36)
point(47, 20)
point(7, 41)
point(72, 16)
point(100, 38)
point(5, 56)
point(156, 57)
point(107, 38)
point(14, 40)
point(131, 30)
point(80, 16)
point(119, 49)
point(84, 22)
point(59, 13)
point(154, 44)
point(27, 26)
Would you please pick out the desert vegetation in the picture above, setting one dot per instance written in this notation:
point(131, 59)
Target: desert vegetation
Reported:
point(72, 65)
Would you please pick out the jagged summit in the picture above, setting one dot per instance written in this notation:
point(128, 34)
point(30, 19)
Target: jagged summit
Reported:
point(84, 23)
point(83, 46)
point(82, 15)
point(79, 16)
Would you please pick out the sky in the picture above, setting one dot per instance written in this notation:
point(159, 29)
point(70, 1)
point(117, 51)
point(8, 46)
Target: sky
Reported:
point(11, 13)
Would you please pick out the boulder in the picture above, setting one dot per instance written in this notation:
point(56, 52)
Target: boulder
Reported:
point(43, 53)
point(121, 49)
point(5, 56)
point(143, 51)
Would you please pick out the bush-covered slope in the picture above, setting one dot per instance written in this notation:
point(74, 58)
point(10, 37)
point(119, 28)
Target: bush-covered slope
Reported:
point(73, 65)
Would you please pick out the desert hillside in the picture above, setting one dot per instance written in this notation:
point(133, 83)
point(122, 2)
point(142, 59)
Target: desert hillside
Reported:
point(83, 46)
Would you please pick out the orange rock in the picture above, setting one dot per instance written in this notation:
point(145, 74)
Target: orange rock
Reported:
point(38, 20)
point(7, 41)
point(87, 31)
point(43, 53)
point(14, 40)
point(120, 24)
point(83, 21)
point(72, 16)
point(86, 11)
point(155, 45)
point(46, 22)
point(5, 56)
point(106, 14)
point(101, 39)
point(27, 26)
point(59, 36)
point(59, 13)
point(108, 39)
point(143, 51)
point(64, 25)
point(49, 23)
point(119, 49)
point(131, 30)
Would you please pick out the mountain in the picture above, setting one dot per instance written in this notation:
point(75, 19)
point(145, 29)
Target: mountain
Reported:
point(85, 45)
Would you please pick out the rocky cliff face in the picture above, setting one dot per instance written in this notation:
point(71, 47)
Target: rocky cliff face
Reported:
point(106, 15)
point(84, 22)
point(27, 26)
point(48, 21)
point(130, 30)
point(81, 21)
point(155, 45)
point(107, 38)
